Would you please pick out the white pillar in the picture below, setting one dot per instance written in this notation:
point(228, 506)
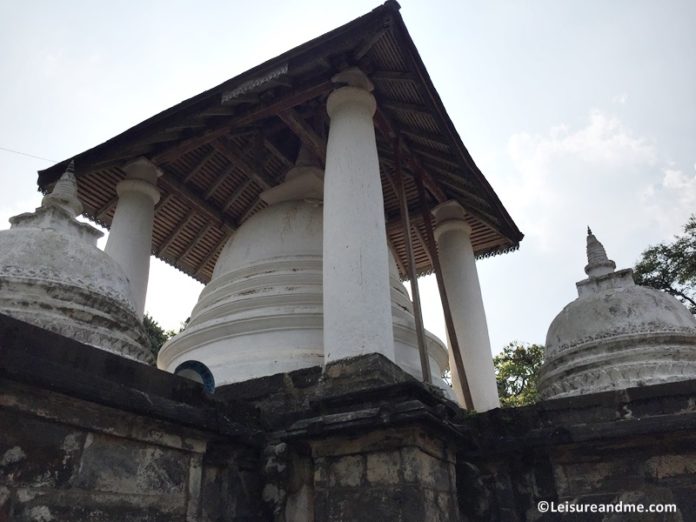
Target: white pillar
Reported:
point(357, 301)
point(458, 263)
point(130, 237)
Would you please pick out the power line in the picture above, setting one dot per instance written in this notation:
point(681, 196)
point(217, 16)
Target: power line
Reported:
point(27, 155)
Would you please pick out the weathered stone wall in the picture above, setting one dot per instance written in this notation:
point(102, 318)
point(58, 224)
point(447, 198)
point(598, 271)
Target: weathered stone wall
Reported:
point(635, 446)
point(86, 435)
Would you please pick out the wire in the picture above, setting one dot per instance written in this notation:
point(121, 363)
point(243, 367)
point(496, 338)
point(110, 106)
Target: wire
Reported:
point(27, 155)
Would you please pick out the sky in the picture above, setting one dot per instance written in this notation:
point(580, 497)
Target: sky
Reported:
point(579, 113)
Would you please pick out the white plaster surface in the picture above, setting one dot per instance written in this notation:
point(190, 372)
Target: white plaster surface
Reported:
point(262, 312)
point(466, 304)
point(357, 309)
point(616, 335)
point(130, 236)
point(53, 275)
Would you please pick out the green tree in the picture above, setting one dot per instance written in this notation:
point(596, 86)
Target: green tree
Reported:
point(671, 266)
point(156, 335)
point(517, 372)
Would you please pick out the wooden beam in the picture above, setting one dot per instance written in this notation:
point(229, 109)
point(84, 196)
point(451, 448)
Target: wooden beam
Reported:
point(415, 292)
point(402, 268)
point(216, 184)
point(305, 132)
point(174, 233)
point(160, 137)
point(296, 97)
point(394, 76)
point(404, 107)
point(449, 320)
point(426, 135)
point(217, 110)
point(199, 166)
point(99, 214)
point(235, 155)
point(278, 154)
point(251, 209)
point(368, 44)
point(238, 192)
point(215, 251)
point(435, 156)
point(424, 243)
point(199, 235)
point(390, 131)
point(172, 185)
point(163, 201)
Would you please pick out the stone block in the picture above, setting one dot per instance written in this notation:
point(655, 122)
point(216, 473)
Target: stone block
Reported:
point(121, 466)
point(347, 471)
point(672, 467)
point(37, 453)
point(383, 468)
point(400, 503)
point(423, 468)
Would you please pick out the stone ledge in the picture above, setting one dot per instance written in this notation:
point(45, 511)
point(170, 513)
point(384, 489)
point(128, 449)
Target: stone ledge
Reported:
point(43, 359)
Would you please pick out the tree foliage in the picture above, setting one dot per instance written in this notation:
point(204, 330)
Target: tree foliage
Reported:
point(671, 266)
point(156, 335)
point(517, 372)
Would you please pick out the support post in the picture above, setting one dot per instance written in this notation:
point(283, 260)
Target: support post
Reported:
point(415, 292)
point(462, 391)
point(130, 237)
point(357, 298)
point(458, 265)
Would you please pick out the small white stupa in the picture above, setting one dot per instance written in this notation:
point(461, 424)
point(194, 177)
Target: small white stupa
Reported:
point(262, 314)
point(53, 275)
point(616, 335)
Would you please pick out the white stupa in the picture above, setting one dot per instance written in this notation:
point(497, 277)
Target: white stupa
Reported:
point(261, 314)
point(616, 335)
point(53, 275)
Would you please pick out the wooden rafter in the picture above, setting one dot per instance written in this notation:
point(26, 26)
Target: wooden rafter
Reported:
point(368, 44)
point(404, 107)
point(250, 209)
point(305, 132)
point(100, 213)
point(214, 252)
point(212, 213)
point(423, 134)
point(296, 97)
point(174, 233)
point(394, 76)
point(163, 201)
point(278, 153)
point(423, 243)
point(235, 155)
point(218, 181)
point(238, 192)
point(198, 237)
point(199, 166)
point(397, 259)
point(390, 131)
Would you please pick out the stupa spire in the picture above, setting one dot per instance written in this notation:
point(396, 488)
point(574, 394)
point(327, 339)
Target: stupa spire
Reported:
point(64, 193)
point(598, 264)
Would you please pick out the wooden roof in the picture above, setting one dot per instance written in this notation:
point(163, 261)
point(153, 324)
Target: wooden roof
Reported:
point(220, 149)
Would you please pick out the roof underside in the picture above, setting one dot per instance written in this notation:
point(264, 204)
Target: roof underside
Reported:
point(219, 150)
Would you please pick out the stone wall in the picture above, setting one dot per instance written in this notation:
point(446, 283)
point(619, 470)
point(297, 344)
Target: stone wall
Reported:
point(636, 446)
point(87, 435)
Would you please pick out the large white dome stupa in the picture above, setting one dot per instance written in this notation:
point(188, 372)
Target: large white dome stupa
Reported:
point(261, 314)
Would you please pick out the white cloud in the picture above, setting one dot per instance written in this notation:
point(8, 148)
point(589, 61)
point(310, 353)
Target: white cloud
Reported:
point(671, 200)
point(572, 176)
